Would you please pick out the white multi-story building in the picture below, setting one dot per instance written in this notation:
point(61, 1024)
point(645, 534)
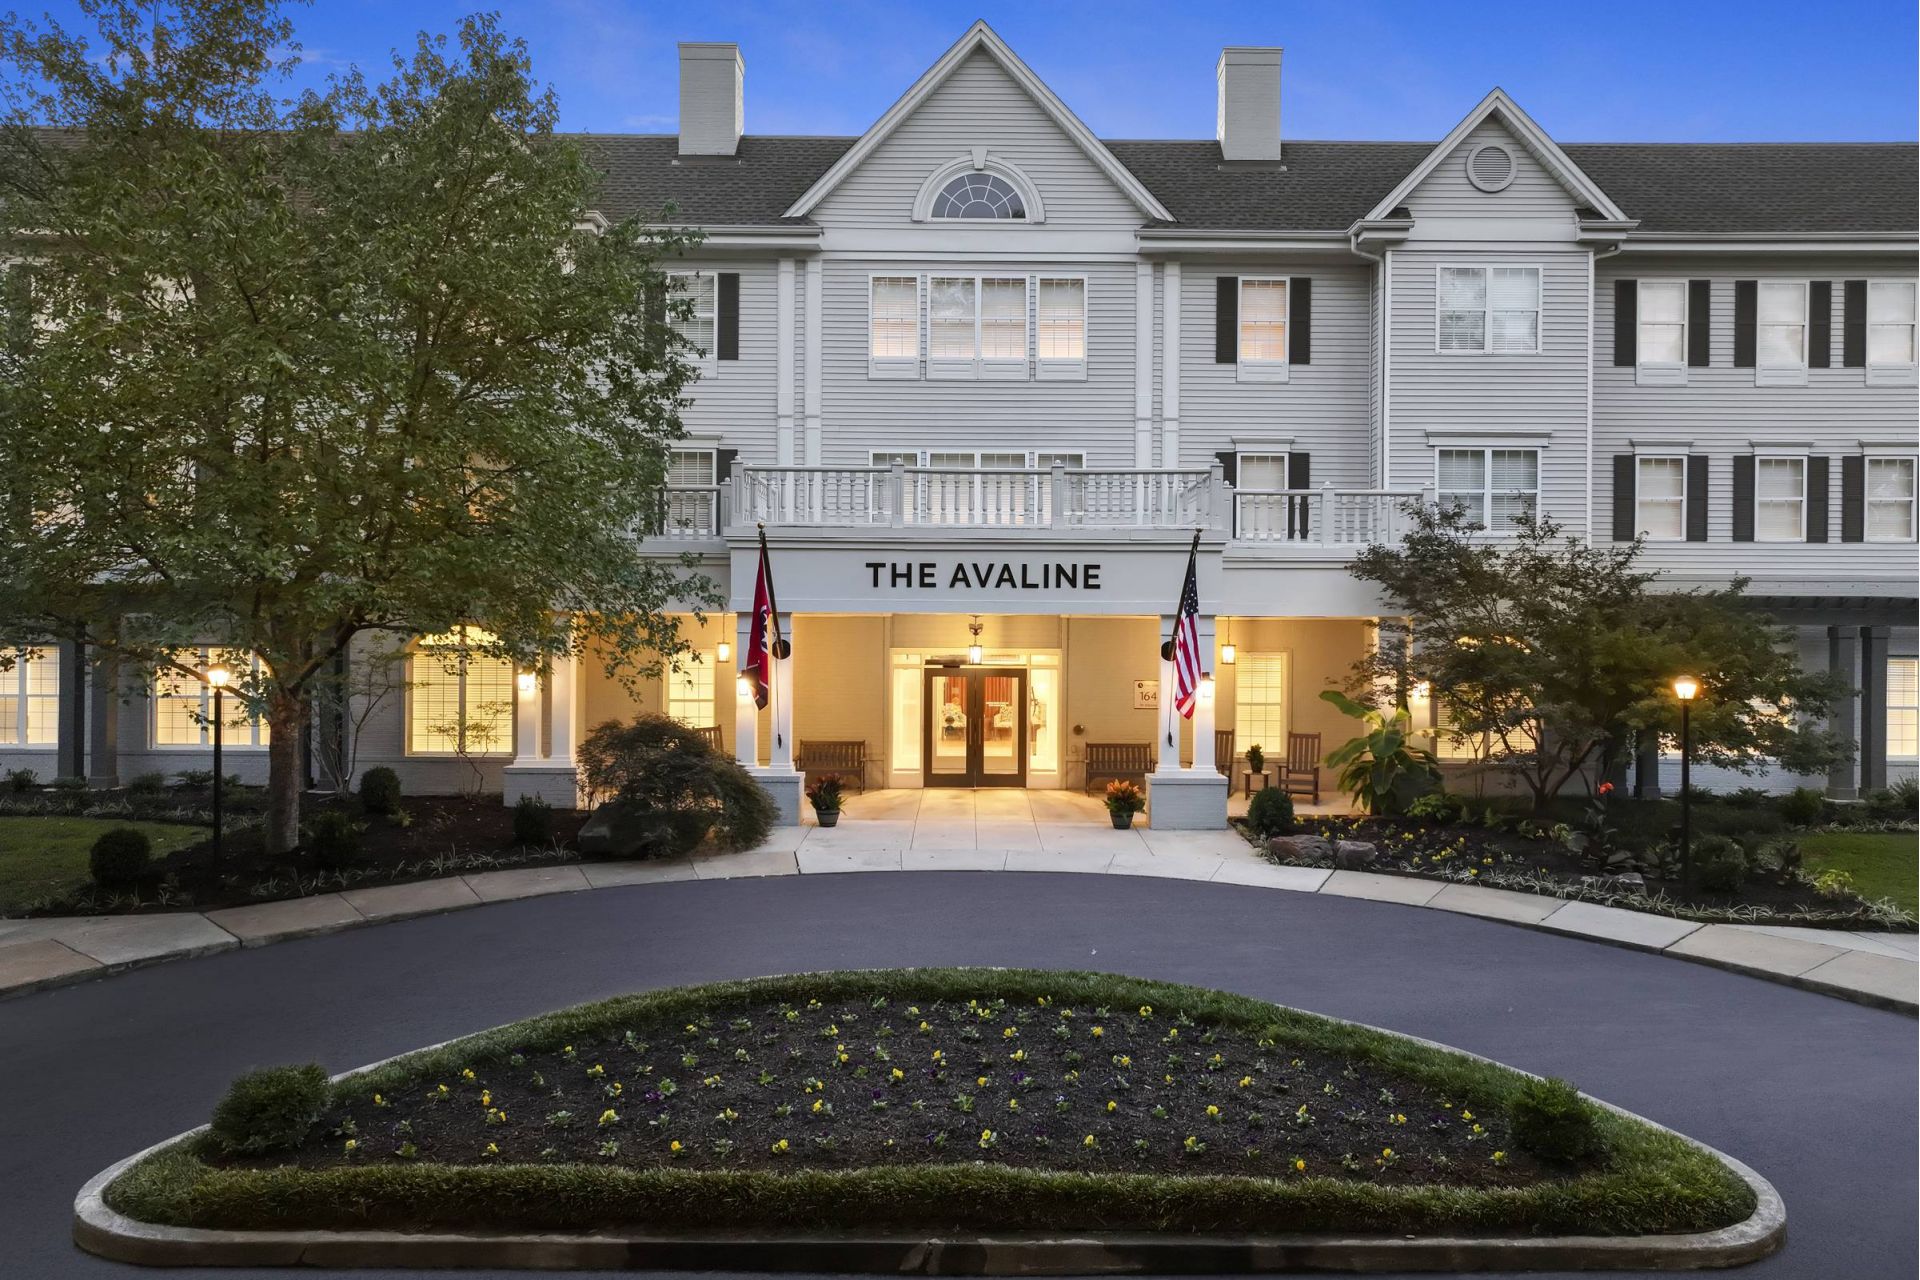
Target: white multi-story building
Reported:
point(981, 375)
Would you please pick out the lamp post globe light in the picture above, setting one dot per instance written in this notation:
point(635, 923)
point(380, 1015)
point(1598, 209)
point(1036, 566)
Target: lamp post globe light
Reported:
point(219, 677)
point(1686, 689)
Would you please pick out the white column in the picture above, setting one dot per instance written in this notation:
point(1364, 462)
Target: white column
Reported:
point(783, 363)
point(1170, 370)
point(816, 343)
point(1169, 738)
point(1143, 365)
point(526, 718)
point(1203, 714)
point(563, 686)
point(781, 757)
point(746, 716)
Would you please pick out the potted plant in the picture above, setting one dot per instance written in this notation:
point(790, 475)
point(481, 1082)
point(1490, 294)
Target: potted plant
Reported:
point(1124, 799)
point(1256, 759)
point(825, 797)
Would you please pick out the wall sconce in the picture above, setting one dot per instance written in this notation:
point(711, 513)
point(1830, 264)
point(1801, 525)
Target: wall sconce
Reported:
point(1206, 688)
point(743, 688)
point(526, 682)
point(723, 652)
point(974, 652)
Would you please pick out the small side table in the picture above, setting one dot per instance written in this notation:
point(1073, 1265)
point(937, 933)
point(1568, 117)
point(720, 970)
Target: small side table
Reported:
point(1248, 775)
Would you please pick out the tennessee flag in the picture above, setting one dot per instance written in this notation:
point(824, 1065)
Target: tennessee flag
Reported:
point(763, 641)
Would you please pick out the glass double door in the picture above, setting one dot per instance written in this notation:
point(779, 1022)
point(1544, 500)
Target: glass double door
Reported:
point(975, 730)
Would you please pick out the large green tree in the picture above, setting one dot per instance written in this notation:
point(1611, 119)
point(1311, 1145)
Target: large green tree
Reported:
point(1548, 653)
point(286, 369)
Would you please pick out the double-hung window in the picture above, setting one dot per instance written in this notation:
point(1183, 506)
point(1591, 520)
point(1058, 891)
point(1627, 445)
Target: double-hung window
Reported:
point(1782, 332)
point(1489, 310)
point(690, 690)
point(1662, 340)
point(1890, 331)
point(1903, 708)
point(692, 498)
point(1263, 329)
point(893, 327)
point(1890, 513)
point(30, 699)
point(1060, 334)
point(459, 700)
point(1260, 703)
point(1660, 498)
point(1780, 499)
point(1493, 486)
point(697, 319)
point(183, 704)
point(977, 327)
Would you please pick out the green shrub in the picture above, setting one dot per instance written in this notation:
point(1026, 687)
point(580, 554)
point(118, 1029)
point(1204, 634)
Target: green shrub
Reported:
point(270, 1110)
point(1779, 859)
point(1438, 806)
point(1895, 803)
point(1719, 865)
point(1270, 813)
point(69, 784)
point(1724, 820)
point(147, 784)
point(661, 768)
point(1748, 797)
point(197, 778)
point(532, 821)
point(1804, 808)
point(120, 858)
point(332, 839)
point(22, 779)
point(380, 791)
point(1551, 1120)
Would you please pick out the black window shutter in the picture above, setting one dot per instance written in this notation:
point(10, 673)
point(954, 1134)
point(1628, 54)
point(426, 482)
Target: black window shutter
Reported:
point(1699, 323)
point(1820, 324)
point(1229, 465)
point(729, 306)
point(1226, 320)
point(1853, 324)
point(1299, 471)
point(1300, 321)
point(1746, 316)
point(723, 464)
point(1624, 480)
point(1299, 513)
point(1698, 469)
point(1853, 498)
point(1743, 497)
point(1817, 503)
point(1626, 322)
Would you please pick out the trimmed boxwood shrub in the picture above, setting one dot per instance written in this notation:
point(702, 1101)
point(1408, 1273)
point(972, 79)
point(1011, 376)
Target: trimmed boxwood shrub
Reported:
point(333, 839)
point(532, 821)
point(1719, 864)
point(1270, 812)
point(271, 1109)
point(1804, 808)
point(1550, 1120)
point(380, 791)
point(120, 857)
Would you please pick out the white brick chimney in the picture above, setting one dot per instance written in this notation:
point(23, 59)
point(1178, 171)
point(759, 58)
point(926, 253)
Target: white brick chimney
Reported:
point(1248, 124)
point(711, 105)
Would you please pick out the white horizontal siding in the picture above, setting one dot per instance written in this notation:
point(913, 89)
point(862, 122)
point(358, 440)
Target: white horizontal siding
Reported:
point(733, 400)
point(1534, 194)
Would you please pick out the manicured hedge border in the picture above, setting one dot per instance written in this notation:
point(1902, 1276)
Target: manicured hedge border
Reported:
point(1654, 1183)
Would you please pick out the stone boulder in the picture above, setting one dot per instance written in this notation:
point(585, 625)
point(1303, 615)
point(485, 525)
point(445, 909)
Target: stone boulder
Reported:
point(1355, 855)
point(1299, 848)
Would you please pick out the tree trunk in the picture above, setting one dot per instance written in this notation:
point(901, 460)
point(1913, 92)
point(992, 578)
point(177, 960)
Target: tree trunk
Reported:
point(286, 719)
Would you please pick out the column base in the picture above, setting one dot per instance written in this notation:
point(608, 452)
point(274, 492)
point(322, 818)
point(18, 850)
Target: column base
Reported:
point(1187, 800)
point(556, 782)
point(784, 783)
point(1842, 793)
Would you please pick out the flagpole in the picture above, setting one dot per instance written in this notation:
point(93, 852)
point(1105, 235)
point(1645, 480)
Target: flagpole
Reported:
point(773, 639)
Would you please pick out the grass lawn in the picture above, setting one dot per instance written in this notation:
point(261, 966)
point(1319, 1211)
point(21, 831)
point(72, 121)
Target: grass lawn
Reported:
point(40, 857)
point(1883, 863)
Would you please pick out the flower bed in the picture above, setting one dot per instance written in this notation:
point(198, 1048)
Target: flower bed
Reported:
point(942, 1099)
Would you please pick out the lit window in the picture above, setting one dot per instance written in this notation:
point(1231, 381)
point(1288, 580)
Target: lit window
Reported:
point(894, 332)
point(1494, 486)
point(1903, 707)
point(983, 196)
point(1063, 320)
point(1495, 310)
point(183, 703)
point(1003, 319)
point(1890, 324)
point(1260, 703)
point(950, 317)
point(1663, 323)
point(1783, 324)
point(690, 691)
point(459, 701)
point(698, 290)
point(1780, 499)
point(1450, 745)
point(977, 326)
point(1889, 499)
point(30, 699)
point(1660, 499)
point(1263, 321)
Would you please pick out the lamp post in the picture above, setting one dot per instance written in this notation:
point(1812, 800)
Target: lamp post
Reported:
point(1686, 688)
point(219, 677)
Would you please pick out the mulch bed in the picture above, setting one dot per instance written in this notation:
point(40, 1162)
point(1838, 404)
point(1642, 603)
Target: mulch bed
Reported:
point(854, 1083)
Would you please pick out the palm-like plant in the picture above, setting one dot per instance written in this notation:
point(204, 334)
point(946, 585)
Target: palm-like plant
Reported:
point(1381, 769)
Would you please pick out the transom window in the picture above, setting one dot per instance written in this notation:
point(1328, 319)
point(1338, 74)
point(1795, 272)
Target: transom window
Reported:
point(984, 196)
point(1663, 323)
point(1491, 310)
point(1263, 321)
point(1660, 498)
point(700, 290)
point(30, 699)
point(1903, 707)
point(1890, 499)
point(459, 701)
point(1260, 703)
point(1783, 324)
point(183, 704)
point(1780, 499)
point(1890, 324)
point(1493, 486)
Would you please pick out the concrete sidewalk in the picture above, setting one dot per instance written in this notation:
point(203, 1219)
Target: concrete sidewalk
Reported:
point(964, 831)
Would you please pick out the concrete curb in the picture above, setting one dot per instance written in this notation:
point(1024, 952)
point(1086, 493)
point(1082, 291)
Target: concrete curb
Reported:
point(1907, 1001)
point(107, 1233)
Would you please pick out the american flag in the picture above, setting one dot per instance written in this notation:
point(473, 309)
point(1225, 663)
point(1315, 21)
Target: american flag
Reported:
point(1186, 638)
point(763, 643)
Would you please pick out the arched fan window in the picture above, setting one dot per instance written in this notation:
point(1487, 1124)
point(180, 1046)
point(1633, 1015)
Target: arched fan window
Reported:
point(979, 195)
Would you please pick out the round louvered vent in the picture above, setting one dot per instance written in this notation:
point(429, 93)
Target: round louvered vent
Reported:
point(1490, 168)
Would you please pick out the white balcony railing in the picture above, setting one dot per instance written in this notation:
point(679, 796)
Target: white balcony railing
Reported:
point(978, 497)
point(689, 511)
point(1325, 516)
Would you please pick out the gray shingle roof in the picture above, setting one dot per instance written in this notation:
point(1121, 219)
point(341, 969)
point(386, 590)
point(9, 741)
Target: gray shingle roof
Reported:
point(1781, 188)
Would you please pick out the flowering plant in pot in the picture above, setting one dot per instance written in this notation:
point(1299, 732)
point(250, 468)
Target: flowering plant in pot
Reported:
point(1124, 799)
point(824, 794)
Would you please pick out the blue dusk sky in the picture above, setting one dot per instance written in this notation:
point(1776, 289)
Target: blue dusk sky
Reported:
point(1656, 72)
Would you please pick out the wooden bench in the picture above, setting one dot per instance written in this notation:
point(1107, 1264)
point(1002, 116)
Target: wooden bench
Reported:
point(712, 735)
point(1118, 761)
point(845, 760)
